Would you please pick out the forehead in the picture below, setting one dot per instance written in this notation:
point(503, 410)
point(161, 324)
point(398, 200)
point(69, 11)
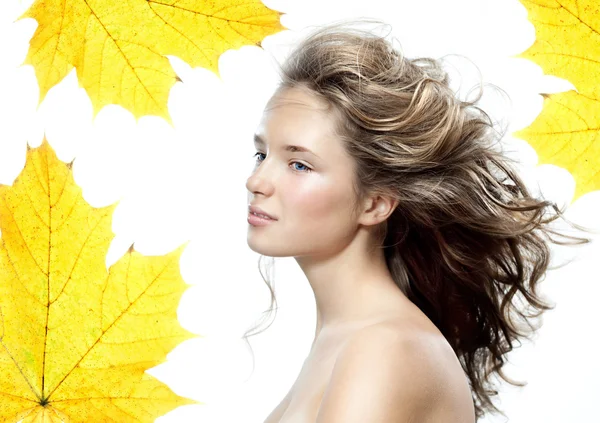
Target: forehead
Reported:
point(299, 96)
point(298, 116)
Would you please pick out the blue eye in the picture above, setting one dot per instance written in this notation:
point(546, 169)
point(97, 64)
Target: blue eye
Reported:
point(307, 169)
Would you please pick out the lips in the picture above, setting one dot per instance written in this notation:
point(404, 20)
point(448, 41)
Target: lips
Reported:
point(261, 212)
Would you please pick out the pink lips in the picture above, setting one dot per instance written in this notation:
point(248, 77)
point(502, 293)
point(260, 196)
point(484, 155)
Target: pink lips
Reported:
point(255, 220)
point(254, 209)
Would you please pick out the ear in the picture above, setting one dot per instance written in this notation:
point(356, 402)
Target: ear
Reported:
point(377, 209)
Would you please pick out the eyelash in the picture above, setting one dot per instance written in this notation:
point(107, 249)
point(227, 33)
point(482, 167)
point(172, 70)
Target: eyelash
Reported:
point(308, 169)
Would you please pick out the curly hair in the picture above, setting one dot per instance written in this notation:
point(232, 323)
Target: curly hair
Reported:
point(466, 236)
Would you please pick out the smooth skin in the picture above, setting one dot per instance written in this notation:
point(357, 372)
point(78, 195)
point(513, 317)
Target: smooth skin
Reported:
point(334, 248)
point(311, 196)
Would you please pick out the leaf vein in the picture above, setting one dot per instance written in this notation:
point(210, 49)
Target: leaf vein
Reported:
point(549, 53)
point(178, 31)
point(15, 225)
point(105, 331)
point(122, 53)
point(158, 338)
point(19, 369)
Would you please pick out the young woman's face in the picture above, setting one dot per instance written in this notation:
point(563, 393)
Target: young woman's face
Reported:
point(310, 195)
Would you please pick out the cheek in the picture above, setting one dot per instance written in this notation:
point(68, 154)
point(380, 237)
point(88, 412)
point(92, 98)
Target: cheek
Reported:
point(321, 209)
point(313, 202)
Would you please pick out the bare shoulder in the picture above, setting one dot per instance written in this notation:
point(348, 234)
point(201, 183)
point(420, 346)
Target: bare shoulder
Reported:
point(418, 355)
point(393, 372)
point(423, 343)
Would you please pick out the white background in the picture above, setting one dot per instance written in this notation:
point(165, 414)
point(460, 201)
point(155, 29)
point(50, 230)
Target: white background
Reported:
point(188, 182)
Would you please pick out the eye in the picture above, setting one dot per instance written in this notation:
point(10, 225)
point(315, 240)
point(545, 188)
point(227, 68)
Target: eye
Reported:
point(306, 170)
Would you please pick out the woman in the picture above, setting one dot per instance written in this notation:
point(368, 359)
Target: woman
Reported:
point(412, 229)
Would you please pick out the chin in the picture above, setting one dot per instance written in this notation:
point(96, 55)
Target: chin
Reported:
point(265, 251)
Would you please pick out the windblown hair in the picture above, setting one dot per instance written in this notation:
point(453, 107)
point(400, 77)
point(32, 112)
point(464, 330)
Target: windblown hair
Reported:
point(467, 238)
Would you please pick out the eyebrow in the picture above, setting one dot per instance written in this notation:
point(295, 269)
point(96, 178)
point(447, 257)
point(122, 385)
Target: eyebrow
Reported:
point(287, 147)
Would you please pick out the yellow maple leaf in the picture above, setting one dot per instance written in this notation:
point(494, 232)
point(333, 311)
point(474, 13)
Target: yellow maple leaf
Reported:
point(567, 132)
point(76, 339)
point(118, 47)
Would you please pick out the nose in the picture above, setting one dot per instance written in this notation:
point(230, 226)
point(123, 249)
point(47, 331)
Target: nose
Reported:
point(252, 183)
point(258, 181)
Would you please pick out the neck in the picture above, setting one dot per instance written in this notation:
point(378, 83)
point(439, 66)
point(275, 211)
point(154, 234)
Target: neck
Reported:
point(352, 287)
